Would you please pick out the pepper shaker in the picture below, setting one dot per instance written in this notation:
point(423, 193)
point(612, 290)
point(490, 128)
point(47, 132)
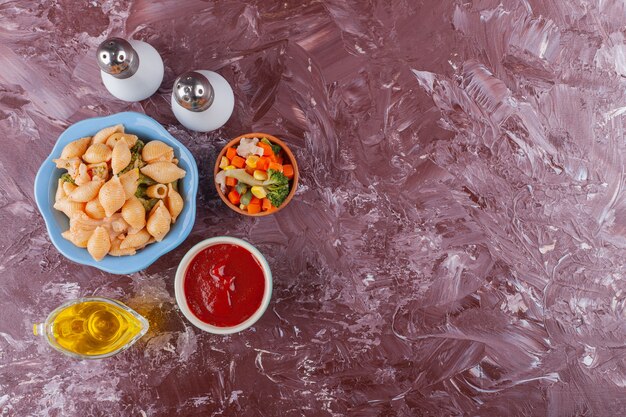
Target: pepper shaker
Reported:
point(202, 100)
point(131, 70)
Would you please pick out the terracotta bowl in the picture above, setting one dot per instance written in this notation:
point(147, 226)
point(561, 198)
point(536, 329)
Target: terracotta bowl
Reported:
point(288, 154)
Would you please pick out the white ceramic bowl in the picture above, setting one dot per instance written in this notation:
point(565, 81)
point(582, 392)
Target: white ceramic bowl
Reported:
point(181, 300)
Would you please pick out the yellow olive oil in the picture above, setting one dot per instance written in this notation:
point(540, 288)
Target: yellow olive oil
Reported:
point(93, 327)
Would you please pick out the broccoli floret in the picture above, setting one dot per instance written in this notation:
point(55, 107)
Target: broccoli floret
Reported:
point(277, 187)
point(67, 178)
point(137, 147)
point(145, 180)
point(148, 203)
point(275, 148)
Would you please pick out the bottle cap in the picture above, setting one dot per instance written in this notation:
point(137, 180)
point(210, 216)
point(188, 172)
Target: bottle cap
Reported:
point(117, 57)
point(193, 91)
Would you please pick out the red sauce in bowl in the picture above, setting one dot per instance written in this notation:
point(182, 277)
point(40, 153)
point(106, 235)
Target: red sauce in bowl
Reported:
point(224, 285)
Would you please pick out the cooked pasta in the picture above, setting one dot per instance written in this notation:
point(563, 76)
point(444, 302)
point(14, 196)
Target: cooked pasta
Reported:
point(118, 193)
point(96, 153)
point(134, 213)
point(112, 196)
point(79, 238)
point(100, 170)
point(136, 240)
point(69, 207)
point(68, 187)
point(60, 194)
point(86, 192)
point(99, 243)
point(155, 150)
point(95, 210)
point(174, 202)
point(117, 250)
point(76, 148)
point(103, 135)
point(120, 157)
point(130, 182)
point(157, 191)
point(163, 172)
point(82, 177)
point(158, 224)
point(130, 139)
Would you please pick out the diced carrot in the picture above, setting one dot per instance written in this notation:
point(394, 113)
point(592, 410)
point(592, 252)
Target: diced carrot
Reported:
point(276, 166)
point(255, 200)
point(234, 197)
point(231, 153)
point(249, 170)
point(263, 163)
point(254, 208)
point(231, 182)
point(267, 149)
point(266, 204)
point(288, 170)
point(238, 161)
point(273, 158)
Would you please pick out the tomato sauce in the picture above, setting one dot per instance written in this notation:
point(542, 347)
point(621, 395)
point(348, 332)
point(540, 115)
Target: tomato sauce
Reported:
point(224, 285)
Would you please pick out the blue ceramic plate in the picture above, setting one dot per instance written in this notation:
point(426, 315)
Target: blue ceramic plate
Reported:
point(56, 222)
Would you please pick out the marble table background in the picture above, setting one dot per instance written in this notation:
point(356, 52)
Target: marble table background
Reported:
point(457, 244)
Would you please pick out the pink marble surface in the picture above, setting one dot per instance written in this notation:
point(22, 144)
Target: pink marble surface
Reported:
point(457, 245)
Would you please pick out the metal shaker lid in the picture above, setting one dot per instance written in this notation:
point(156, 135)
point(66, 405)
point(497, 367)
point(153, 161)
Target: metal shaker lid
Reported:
point(193, 91)
point(117, 57)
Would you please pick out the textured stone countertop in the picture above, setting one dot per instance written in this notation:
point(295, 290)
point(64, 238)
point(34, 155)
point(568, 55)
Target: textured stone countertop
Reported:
point(456, 246)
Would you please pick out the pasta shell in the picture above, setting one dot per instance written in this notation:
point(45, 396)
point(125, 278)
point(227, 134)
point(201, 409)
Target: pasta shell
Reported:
point(154, 150)
point(174, 202)
point(168, 157)
point(158, 224)
point(82, 175)
point(130, 181)
point(116, 249)
point(163, 172)
point(96, 153)
point(60, 191)
point(137, 240)
point(112, 196)
point(94, 209)
point(115, 137)
point(79, 238)
point(100, 170)
point(103, 135)
point(75, 149)
point(70, 208)
point(120, 157)
point(68, 187)
point(157, 191)
point(71, 165)
point(134, 213)
point(86, 192)
point(99, 243)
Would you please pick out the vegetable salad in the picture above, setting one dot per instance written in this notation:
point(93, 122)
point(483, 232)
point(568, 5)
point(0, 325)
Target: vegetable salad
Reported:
point(255, 175)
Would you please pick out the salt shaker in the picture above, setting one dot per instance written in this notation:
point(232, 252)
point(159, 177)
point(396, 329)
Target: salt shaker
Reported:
point(202, 100)
point(131, 70)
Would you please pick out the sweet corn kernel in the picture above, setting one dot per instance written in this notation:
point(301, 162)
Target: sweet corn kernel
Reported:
point(258, 191)
point(226, 168)
point(252, 160)
point(224, 162)
point(260, 175)
point(242, 206)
